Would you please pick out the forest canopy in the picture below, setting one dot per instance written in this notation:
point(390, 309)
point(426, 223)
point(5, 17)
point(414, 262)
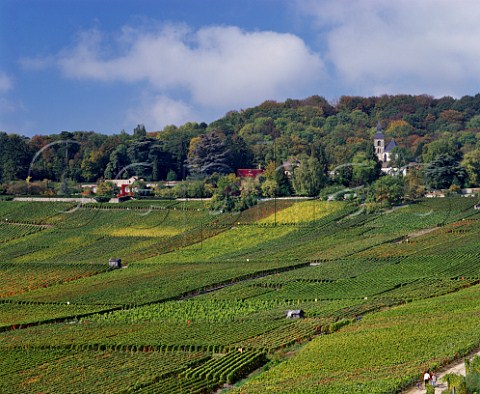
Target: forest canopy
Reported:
point(310, 135)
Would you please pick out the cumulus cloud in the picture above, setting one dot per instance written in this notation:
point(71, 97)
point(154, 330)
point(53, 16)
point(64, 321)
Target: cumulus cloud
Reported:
point(159, 111)
point(401, 46)
point(218, 66)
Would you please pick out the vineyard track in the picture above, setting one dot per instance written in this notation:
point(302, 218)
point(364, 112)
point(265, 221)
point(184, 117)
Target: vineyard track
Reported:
point(419, 233)
point(30, 224)
point(457, 367)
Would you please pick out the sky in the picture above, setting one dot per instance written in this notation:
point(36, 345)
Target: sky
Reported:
point(109, 65)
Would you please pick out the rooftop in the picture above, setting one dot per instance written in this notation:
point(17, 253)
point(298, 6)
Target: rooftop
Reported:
point(392, 144)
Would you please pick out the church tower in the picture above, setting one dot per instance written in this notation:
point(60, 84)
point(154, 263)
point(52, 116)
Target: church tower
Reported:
point(379, 142)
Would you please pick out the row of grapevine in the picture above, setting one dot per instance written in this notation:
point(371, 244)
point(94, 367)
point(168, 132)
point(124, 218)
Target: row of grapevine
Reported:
point(361, 264)
point(15, 314)
point(33, 212)
point(11, 231)
point(382, 353)
point(18, 279)
point(227, 368)
point(90, 371)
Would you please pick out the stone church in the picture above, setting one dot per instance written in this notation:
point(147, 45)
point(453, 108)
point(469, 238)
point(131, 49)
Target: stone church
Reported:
point(383, 152)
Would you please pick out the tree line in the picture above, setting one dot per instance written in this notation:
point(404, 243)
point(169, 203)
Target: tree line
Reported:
point(308, 139)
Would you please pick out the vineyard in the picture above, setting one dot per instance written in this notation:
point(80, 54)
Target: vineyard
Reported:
point(201, 300)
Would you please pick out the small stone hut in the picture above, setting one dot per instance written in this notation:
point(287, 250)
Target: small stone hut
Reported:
point(295, 314)
point(115, 263)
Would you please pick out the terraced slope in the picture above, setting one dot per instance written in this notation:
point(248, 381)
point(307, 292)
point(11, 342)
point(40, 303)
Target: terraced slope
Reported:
point(213, 290)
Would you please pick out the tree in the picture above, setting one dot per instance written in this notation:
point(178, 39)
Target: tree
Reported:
point(176, 142)
point(474, 123)
point(310, 176)
point(91, 166)
point(15, 157)
point(117, 164)
point(414, 183)
point(171, 175)
point(106, 189)
point(240, 154)
point(209, 154)
point(442, 172)
point(456, 383)
point(148, 159)
point(399, 129)
point(140, 188)
point(276, 182)
point(359, 119)
point(389, 189)
point(64, 186)
point(365, 169)
point(471, 163)
point(231, 195)
point(443, 146)
point(160, 161)
point(139, 132)
point(400, 157)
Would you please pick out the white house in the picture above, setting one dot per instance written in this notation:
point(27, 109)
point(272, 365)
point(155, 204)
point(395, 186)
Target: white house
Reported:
point(117, 182)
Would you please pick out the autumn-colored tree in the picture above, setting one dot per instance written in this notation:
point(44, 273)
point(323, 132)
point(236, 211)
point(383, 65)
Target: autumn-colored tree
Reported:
point(106, 188)
point(399, 129)
point(451, 115)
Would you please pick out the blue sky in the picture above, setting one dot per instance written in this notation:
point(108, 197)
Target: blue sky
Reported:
point(108, 65)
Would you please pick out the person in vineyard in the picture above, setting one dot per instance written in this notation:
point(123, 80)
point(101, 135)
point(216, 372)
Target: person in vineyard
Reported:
point(426, 378)
point(434, 379)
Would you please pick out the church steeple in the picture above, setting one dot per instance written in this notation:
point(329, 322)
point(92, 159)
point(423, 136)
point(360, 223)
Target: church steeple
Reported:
point(379, 142)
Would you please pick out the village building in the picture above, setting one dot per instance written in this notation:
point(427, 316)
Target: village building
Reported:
point(125, 185)
point(249, 172)
point(384, 153)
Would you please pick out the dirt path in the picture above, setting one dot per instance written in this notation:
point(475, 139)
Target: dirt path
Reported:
point(422, 232)
point(29, 224)
point(457, 367)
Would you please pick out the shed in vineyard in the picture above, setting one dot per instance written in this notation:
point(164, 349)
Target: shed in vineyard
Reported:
point(115, 263)
point(295, 314)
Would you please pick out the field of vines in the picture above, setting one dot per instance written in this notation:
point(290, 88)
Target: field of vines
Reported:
point(201, 300)
point(383, 352)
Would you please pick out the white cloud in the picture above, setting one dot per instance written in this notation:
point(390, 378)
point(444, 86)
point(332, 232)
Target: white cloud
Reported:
point(219, 67)
point(6, 83)
point(156, 112)
point(407, 46)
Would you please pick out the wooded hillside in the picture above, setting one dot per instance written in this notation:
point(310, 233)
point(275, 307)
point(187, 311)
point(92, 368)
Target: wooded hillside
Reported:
point(425, 128)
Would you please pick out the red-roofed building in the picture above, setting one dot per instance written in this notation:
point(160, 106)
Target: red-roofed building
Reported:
point(249, 172)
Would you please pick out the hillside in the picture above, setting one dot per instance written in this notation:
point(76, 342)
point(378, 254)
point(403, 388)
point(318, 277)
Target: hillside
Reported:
point(424, 128)
point(201, 301)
